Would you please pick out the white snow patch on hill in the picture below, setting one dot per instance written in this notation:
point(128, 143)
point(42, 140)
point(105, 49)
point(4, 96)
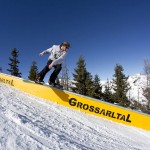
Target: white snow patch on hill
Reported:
point(137, 83)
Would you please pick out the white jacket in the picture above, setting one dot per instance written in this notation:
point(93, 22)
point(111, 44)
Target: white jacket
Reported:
point(56, 54)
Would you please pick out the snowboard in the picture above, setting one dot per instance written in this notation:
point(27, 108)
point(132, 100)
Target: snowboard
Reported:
point(55, 86)
point(60, 87)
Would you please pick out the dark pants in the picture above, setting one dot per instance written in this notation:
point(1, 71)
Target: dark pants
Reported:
point(57, 69)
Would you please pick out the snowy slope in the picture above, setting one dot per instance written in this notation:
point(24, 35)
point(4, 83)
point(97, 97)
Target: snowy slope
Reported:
point(28, 122)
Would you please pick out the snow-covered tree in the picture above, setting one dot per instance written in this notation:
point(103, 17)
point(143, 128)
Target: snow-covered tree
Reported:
point(107, 95)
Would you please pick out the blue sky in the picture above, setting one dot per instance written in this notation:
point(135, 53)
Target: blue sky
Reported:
point(104, 32)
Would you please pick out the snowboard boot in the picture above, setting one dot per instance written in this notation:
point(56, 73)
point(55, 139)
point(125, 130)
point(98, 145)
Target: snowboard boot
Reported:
point(52, 84)
point(38, 80)
point(55, 85)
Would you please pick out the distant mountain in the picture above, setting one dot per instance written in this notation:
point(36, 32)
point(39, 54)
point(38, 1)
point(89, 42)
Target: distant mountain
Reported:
point(137, 83)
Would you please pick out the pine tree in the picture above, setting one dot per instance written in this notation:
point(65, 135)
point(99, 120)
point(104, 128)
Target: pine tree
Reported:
point(120, 86)
point(14, 70)
point(97, 88)
point(80, 77)
point(33, 71)
point(107, 95)
point(89, 84)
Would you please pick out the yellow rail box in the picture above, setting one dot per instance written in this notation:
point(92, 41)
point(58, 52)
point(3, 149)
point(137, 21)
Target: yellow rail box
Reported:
point(80, 102)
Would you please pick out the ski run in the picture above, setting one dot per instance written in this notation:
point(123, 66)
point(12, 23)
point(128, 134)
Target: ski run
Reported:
point(31, 123)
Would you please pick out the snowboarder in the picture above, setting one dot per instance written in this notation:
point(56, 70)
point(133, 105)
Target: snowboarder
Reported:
point(56, 58)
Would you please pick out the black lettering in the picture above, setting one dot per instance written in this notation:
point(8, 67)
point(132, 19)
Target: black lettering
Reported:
point(122, 117)
point(108, 113)
point(85, 106)
point(91, 108)
point(7, 81)
point(118, 115)
point(103, 112)
point(72, 101)
point(12, 83)
point(79, 104)
point(3, 80)
point(113, 115)
point(97, 109)
point(128, 117)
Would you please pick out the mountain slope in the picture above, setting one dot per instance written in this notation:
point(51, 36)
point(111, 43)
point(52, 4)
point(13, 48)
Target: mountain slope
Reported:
point(28, 122)
point(138, 83)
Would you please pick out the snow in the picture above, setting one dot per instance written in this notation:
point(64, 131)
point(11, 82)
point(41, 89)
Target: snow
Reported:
point(138, 83)
point(31, 123)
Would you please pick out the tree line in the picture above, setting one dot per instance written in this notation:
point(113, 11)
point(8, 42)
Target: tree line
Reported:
point(84, 83)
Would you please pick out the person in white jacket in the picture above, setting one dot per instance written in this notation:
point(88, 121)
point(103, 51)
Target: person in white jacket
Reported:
point(56, 58)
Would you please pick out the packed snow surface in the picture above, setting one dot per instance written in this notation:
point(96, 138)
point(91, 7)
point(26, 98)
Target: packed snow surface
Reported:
point(31, 123)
